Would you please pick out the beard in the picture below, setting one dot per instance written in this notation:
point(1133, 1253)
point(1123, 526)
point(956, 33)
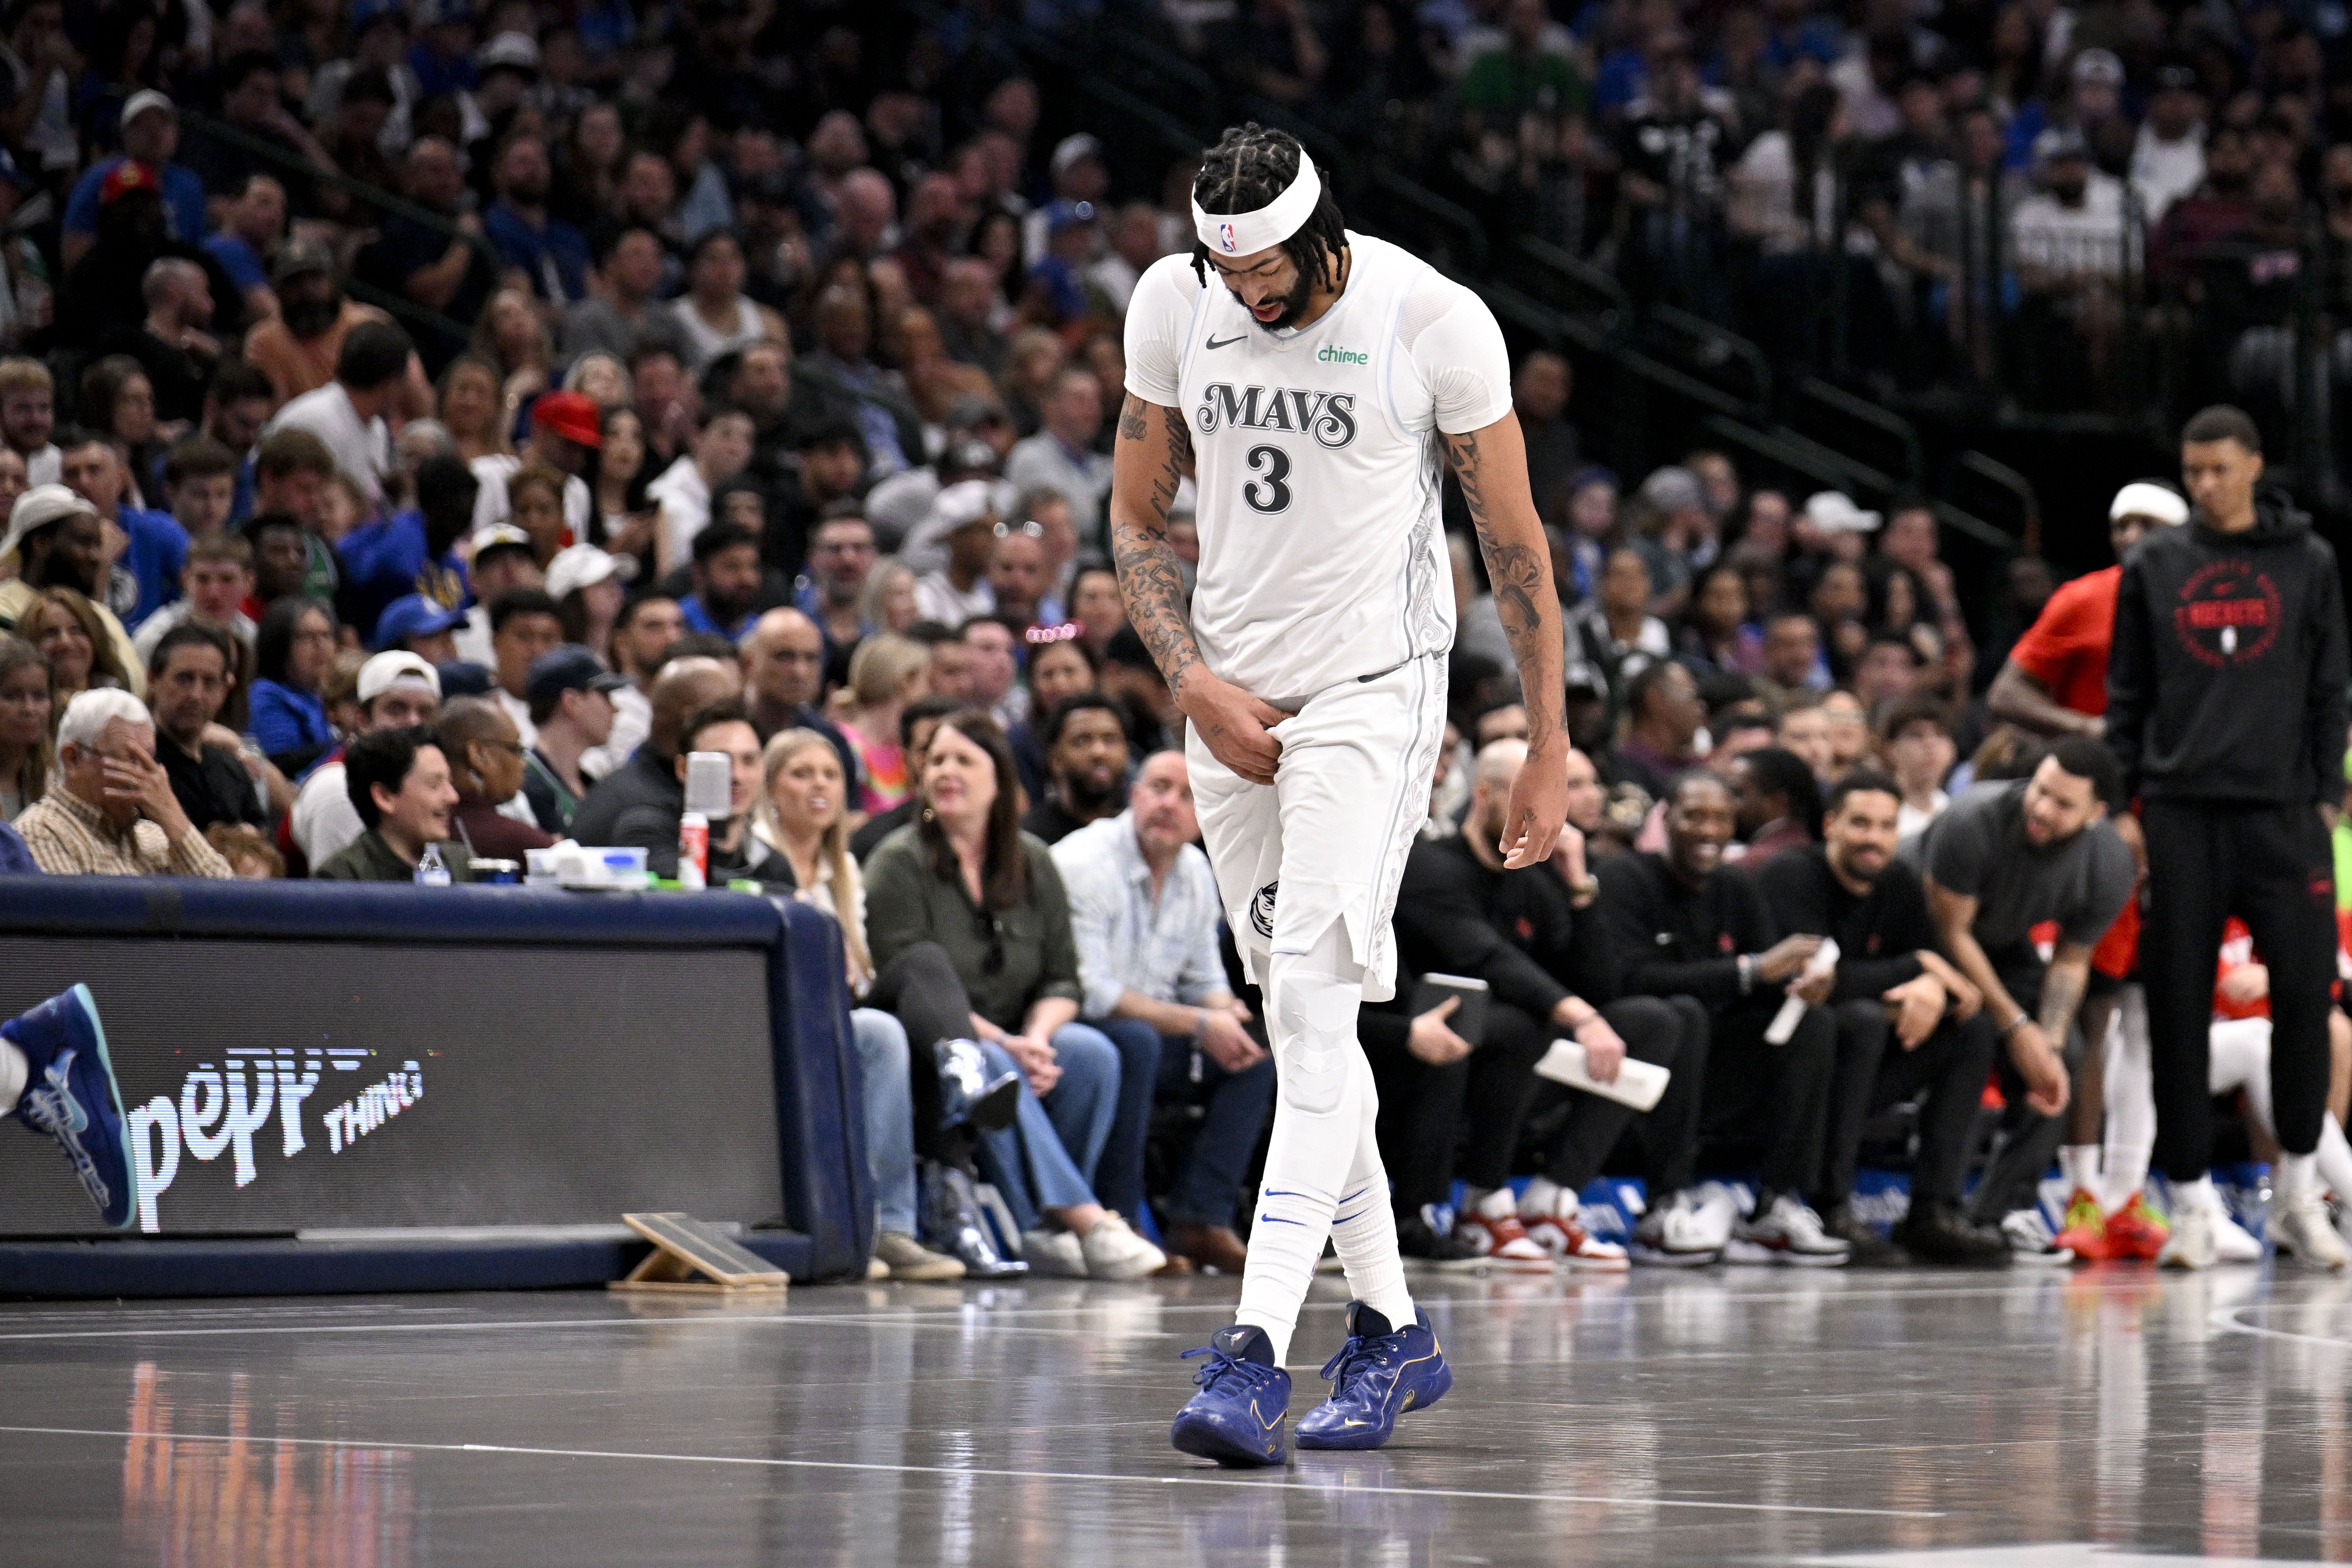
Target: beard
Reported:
point(1293, 304)
point(1087, 794)
point(309, 318)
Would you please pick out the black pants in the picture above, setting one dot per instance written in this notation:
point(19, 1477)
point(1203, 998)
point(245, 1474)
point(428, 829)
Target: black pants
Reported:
point(2272, 868)
point(1873, 1071)
point(920, 989)
point(1420, 1121)
point(1764, 1103)
point(2027, 1141)
point(1577, 1131)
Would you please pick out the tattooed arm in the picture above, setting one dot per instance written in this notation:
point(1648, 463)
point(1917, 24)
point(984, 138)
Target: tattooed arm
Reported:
point(1153, 455)
point(1492, 465)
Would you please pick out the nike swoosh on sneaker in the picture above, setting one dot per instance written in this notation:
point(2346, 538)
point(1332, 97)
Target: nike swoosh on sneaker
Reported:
point(1216, 342)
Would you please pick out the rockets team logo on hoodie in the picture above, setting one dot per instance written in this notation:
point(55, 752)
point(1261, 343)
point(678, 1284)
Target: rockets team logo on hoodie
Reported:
point(2228, 613)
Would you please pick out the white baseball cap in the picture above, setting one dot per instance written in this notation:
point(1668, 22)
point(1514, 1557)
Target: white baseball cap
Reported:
point(139, 102)
point(37, 508)
point(578, 567)
point(397, 668)
point(1834, 511)
point(2147, 497)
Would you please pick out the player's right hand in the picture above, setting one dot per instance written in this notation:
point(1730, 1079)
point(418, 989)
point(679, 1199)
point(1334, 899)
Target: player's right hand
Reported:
point(1233, 725)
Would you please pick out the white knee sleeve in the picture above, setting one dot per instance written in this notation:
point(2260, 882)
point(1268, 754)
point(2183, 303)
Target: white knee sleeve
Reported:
point(1311, 1002)
point(2131, 1100)
point(2238, 1057)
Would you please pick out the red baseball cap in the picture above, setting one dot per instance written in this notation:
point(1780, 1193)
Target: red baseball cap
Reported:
point(571, 415)
point(125, 177)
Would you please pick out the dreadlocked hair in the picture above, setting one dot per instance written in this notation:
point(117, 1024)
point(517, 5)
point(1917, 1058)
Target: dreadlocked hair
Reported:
point(1249, 166)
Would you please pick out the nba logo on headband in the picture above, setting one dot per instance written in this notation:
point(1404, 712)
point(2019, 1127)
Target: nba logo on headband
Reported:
point(1243, 233)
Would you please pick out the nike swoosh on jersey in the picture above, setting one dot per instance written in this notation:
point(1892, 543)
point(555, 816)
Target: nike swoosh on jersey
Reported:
point(1215, 343)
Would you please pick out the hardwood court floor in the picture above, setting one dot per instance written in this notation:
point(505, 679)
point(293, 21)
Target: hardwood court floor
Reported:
point(1905, 1419)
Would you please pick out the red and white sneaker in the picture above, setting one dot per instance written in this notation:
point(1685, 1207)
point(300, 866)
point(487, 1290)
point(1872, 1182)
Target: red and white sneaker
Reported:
point(1562, 1235)
point(1502, 1240)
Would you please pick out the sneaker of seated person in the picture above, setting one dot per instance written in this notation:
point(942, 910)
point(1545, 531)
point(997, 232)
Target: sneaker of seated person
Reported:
point(1491, 1224)
point(1868, 1246)
point(69, 1093)
point(1056, 1252)
point(1553, 1217)
point(1682, 1232)
point(2138, 1231)
point(1208, 1246)
point(2030, 1238)
point(1419, 1241)
point(2084, 1230)
point(901, 1257)
point(2232, 1242)
point(1112, 1251)
point(1936, 1232)
point(1785, 1229)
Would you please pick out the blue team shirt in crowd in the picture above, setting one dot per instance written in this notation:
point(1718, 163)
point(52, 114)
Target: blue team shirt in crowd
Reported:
point(385, 560)
point(184, 200)
point(238, 260)
point(698, 619)
point(287, 719)
point(158, 554)
point(559, 248)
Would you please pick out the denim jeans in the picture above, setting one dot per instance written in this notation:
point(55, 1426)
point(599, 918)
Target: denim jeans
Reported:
point(889, 1117)
point(1046, 1159)
point(1153, 1065)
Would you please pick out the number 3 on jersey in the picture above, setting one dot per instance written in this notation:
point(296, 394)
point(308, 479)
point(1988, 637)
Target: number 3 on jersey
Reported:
point(1268, 492)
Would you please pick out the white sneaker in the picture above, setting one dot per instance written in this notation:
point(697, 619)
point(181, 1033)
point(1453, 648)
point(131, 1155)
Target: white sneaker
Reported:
point(1789, 1232)
point(1055, 1252)
point(1680, 1235)
point(2300, 1230)
point(1112, 1251)
point(1562, 1234)
point(2192, 1244)
point(2030, 1240)
point(2233, 1243)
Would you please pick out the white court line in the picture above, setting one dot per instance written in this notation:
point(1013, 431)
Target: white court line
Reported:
point(2226, 1318)
point(962, 1470)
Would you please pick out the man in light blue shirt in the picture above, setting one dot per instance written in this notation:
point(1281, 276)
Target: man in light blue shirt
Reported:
point(1145, 914)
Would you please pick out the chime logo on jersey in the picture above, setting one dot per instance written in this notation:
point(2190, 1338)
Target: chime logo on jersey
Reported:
point(1328, 416)
point(2228, 613)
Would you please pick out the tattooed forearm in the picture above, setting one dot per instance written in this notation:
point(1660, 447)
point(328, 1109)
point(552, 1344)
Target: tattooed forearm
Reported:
point(1519, 568)
point(1150, 579)
point(2062, 996)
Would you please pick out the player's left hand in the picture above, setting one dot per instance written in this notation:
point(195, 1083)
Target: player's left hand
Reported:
point(1539, 807)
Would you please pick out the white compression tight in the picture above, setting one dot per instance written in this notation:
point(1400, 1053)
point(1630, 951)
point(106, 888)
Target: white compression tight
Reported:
point(1323, 1170)
point(2239, 1058)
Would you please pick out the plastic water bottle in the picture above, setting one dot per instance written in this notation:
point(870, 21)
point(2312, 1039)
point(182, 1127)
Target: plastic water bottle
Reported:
point(432, 871)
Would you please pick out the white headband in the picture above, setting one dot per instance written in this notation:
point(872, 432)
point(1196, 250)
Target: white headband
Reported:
point(1244, 233)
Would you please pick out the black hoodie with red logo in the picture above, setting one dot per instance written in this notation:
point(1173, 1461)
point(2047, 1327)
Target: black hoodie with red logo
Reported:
point(2226, 680)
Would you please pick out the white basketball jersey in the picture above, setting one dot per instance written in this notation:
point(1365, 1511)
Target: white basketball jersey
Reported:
point(1317, 453)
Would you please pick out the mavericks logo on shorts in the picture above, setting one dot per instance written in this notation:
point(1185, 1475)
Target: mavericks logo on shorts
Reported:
point(1262, 911)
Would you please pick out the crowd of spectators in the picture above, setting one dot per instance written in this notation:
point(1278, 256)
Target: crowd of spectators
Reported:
point(749, 395)
point(1957, 184)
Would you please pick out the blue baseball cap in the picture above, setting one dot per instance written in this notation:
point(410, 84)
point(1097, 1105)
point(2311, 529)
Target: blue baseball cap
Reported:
point(570, 668)
point(414, 616)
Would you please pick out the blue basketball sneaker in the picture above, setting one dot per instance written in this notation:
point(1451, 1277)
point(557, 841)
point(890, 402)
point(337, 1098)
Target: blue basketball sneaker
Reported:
point(1379, 1375)
point(1236, 1418)
point(70, 1094)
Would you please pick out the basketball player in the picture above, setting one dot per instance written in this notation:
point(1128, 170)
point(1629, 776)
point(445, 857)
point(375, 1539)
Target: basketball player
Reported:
point(2226, 707)
point(55, 1077)
point(1312, 381)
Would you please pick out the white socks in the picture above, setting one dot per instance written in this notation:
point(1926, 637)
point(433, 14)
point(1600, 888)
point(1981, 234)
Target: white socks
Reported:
point(1323, 1170)
point(14, 1069)
point(2298, 1177)
point(1546, 1198)
point(2078, 1166)
point(2198, 1194)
